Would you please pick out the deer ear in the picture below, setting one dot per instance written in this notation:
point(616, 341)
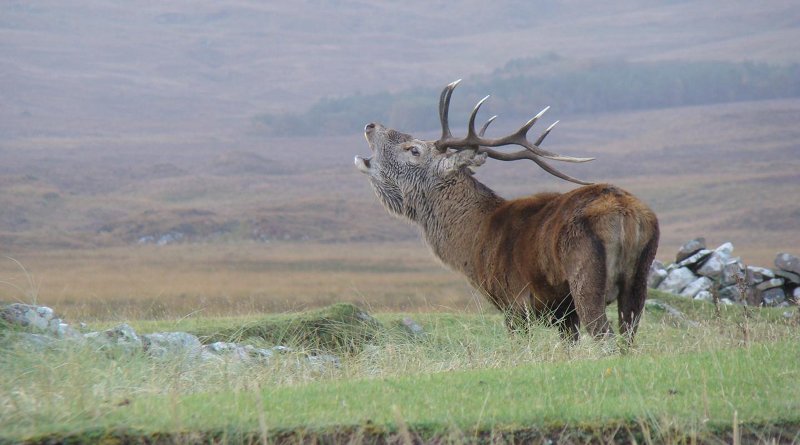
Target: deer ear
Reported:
point(456, 161)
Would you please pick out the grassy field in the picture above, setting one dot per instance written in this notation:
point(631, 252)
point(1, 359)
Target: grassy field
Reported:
point(729, 377)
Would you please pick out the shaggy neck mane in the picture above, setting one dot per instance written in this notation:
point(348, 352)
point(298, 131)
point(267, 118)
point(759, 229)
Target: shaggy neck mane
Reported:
point(453, 216)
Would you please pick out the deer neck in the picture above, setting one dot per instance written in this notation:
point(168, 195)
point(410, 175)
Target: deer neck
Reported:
point(453, 219)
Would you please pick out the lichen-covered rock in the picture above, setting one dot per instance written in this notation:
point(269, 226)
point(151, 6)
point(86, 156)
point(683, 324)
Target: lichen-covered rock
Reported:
point(788, 262)
point(677, 280)
point(690, 248)
point(656, 275)
point(713, 265)
point(693, 288)
point(731, 292)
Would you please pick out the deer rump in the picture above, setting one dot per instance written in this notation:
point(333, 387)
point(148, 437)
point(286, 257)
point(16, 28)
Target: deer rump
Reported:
point(564, 257)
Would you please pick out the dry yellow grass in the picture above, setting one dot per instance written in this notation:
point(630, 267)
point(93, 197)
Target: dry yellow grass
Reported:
point(235, 278)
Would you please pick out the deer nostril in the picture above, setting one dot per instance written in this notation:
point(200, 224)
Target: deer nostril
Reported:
point(369, 126)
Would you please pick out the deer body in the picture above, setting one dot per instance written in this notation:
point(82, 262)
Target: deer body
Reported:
point(557, 257)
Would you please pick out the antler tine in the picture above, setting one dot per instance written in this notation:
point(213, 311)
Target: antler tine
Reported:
point(486, 125)
point(471, 129)
point(444, 108)
point(546, 132)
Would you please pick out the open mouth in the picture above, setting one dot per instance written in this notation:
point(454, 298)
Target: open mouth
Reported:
point(363, 164)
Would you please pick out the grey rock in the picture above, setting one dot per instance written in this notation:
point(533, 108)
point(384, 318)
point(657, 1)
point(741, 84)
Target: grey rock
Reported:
point(690, 248)
point(692, 289)
point(121, 337)
point(790, 277)
point(732, 272)
point(788, 262)
point(704, 295)
point(756, 274)
point(773, 297)
point(677, 280)
point(796, 295)
point(167, 344)
point(656, 275)
point(769, 284)
point(712, 267)
point(412, 327)
point(726, 301)
point(695, 259)
point(33, 341)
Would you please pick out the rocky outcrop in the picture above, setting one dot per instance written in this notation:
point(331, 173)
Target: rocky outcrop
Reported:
point(701, 273)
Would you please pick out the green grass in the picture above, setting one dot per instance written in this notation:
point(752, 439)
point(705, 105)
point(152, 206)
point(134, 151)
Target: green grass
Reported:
point(466, 380)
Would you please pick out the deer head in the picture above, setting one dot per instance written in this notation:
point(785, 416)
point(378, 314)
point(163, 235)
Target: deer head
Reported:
point(403, 168)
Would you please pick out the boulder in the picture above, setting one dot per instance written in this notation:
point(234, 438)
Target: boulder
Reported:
point(412, 328)
point(694, 261)
point(656, 275)
point(693, 288)
point(677, 280)
point(796, 295)
point(712, 267)
point(788, 262)
point(690, 248)
point(773, 297)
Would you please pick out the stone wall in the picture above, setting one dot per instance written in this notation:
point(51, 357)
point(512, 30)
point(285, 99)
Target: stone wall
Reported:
point(706, 274)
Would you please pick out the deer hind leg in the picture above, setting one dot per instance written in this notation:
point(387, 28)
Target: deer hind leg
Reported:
point(631, 299)
point(587, 284)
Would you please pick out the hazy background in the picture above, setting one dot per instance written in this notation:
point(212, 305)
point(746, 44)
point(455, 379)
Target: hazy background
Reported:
point(158, 158)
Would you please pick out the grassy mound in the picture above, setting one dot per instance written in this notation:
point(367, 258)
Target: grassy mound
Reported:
point(341, 328)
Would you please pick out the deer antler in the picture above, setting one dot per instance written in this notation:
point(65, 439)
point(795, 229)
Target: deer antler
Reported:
point(476, 141)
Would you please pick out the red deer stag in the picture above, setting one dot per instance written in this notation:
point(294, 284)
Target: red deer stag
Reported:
point(561, 257)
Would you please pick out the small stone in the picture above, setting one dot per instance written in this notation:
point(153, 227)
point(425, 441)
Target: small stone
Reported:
point(690, 248)
point(773, 297)
point(788, 262)
point(693, 288)
point(656, 275)
point(769, 284)
point(704, 295)
point(726, 301)
point(695, 260)
point(677, 280)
